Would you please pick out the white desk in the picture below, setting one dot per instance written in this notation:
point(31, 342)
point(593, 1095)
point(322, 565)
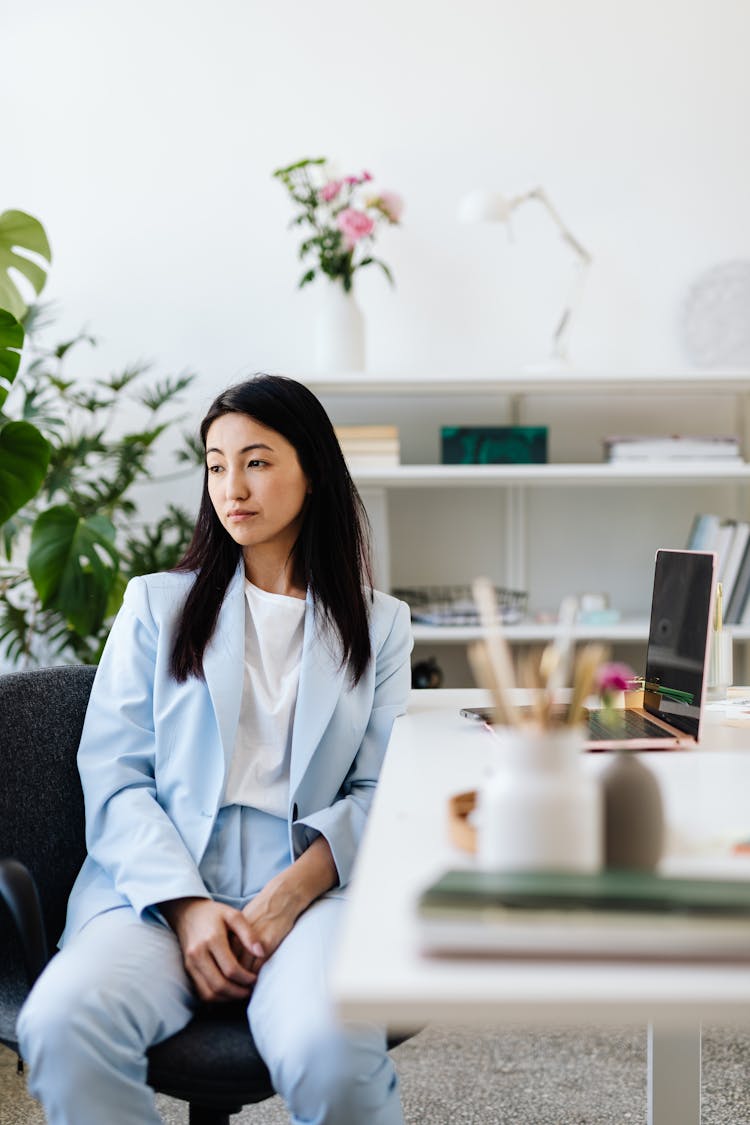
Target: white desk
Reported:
point(381, 976)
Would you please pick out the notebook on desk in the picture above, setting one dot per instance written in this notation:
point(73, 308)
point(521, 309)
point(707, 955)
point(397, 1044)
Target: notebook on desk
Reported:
point(676, 660)
point(605, 915)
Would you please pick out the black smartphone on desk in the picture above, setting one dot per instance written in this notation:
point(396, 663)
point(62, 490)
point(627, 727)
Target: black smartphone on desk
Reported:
point(479, 714)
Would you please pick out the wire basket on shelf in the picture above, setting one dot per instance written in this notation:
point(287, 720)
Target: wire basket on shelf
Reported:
point(454, 605)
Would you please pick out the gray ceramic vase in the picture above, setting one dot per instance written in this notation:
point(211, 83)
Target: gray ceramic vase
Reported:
point(633, 813)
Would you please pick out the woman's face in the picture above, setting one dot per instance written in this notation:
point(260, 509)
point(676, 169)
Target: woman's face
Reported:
point(255, 483)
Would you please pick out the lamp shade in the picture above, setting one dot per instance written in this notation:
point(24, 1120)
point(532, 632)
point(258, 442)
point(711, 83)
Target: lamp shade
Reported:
point(481, 206)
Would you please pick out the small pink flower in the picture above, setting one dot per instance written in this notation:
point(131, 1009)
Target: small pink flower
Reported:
point(614, 677)
point(330, 190)
point(391, 205)
point(351, 180)
point(354, 225)
point(366, 177)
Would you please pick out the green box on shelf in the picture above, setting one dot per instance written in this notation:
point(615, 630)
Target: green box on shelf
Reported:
point(494, 445)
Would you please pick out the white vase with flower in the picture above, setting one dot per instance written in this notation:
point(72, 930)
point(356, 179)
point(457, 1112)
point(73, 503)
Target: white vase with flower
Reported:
point(341, 215)
point(339, 340)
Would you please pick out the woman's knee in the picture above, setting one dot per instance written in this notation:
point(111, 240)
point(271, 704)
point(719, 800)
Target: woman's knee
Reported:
point(61, 1022)
point(334, 1067)
point(77, 1016)
point(47, 1017)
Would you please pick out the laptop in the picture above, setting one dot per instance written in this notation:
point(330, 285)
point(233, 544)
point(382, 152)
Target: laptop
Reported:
point(676, 660)
point(674, 687)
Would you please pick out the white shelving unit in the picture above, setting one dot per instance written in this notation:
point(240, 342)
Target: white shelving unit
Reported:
point(494, 476)
point(529, 382)
point(567, 489)
point(537, 632)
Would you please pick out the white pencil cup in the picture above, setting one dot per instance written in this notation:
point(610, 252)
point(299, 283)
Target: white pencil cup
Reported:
point(720, 664)
point(541, 809)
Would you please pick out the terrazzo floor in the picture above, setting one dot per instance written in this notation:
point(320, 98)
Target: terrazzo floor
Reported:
point(468, 1077)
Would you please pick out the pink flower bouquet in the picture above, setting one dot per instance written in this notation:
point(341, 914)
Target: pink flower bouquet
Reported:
point(343, 215)
point(612, 681)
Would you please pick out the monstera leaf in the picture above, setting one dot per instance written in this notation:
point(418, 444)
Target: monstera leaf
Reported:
point(11, 342)
point(24, 452)
point(24, 456)
point(73, 563)
point(20, 232)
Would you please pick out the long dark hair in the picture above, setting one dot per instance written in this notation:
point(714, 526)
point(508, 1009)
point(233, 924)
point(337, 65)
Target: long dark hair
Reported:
point(332, 552)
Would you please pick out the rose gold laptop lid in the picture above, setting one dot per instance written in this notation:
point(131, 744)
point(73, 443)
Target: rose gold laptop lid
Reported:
point(678, 649)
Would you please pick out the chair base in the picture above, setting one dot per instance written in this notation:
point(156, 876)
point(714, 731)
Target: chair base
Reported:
point(201, 1115)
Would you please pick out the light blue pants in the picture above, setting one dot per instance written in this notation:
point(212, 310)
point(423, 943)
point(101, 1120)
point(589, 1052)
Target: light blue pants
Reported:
point(119, 986)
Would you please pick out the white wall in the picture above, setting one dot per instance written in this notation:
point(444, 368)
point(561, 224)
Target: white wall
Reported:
point(143, 135)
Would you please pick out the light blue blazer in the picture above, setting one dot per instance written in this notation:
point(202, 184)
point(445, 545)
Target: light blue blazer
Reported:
point(154, 754)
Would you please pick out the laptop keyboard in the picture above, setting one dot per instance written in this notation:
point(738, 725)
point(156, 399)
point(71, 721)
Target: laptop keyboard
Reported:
point(631, 725)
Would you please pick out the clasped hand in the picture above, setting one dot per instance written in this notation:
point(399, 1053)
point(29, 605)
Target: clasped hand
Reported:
point(223, 949)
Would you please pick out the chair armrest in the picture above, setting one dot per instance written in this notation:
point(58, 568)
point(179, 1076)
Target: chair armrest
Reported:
point(18, 890)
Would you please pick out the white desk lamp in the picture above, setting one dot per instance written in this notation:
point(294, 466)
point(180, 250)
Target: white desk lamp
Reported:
point(489, 206)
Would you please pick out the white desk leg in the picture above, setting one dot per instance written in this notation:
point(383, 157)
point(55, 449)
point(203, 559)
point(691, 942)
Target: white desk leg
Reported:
point(674, 1076)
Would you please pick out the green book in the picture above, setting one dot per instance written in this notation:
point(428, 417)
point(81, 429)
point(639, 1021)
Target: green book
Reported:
point(605, 890)
point(494, 445)
point(609, 915)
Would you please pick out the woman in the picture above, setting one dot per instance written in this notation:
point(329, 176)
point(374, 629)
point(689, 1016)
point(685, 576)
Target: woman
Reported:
point(232, 743)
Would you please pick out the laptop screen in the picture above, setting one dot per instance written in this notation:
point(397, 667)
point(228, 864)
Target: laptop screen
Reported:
point(678, 637)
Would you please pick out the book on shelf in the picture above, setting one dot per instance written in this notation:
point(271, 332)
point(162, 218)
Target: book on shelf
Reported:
point(737, 606)
point(612, 914)
point(734, 605)
point(455, 605)
point(724, 538)
point(703, 532)
point(730, 539)
point(357, 462)
point(672, 448)
point(732, 562)
point(370, 447)
point(493, 445)
point(367, 433)
point(744, 612)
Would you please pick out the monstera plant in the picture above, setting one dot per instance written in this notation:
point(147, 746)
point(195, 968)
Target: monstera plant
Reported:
point(68, 468)
point(24, 452)
point(70, 550)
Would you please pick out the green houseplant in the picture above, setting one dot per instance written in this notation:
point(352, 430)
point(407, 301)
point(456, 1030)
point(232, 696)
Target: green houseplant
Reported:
point(24, 451)
point(70, 550)
point(68, 529)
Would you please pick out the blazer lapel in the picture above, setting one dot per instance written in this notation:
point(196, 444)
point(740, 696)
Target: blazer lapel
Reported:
point(224, 662)
point(321, 682)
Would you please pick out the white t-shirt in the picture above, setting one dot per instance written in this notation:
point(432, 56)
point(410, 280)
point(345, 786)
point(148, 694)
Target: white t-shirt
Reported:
point(259, 770)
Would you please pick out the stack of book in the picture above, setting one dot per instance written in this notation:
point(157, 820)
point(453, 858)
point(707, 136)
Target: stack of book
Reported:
point(369, 447)
point(672, 448)
point(455, 605)
point(614, 914)
point(730, 539)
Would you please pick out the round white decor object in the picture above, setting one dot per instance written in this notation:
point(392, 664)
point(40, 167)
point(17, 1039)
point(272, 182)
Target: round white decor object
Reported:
point(716, 317)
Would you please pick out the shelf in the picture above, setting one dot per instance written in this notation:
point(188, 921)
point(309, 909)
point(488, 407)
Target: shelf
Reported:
point(472, 476)
point(533, 632)
point(419, 402)
point(536, 382)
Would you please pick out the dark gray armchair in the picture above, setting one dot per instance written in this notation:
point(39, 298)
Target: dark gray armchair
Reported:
point(212, 1063)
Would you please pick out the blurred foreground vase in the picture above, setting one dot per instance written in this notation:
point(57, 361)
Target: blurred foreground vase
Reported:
point(339, 331)
point(541, 809)
point(633, 813)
